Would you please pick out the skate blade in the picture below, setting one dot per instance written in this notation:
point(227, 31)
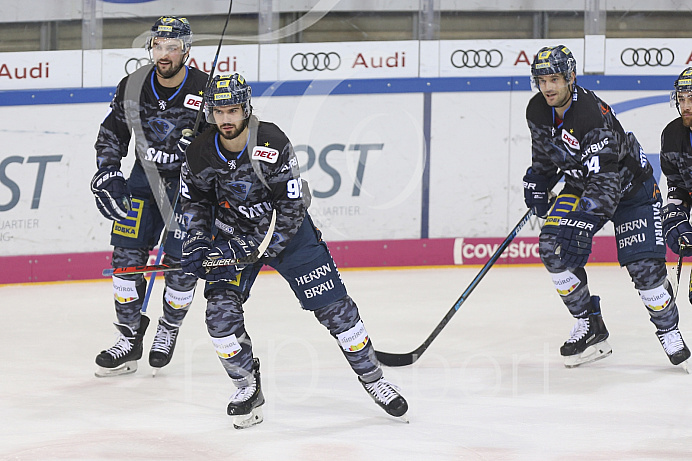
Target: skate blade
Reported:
point(403, 418)
point(153, 372)
point(591, 354)
point(249, 420)
point(685, 366)
point(124, 369)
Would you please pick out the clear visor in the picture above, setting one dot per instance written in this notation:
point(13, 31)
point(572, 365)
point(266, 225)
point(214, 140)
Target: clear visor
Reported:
point(680, 97)
point(217, 115)
point(164, 45)
point(556, 81)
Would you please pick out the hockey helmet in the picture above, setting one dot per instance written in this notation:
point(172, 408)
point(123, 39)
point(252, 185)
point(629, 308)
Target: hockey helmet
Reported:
point(227, 90)
point(682, 84)
point(553, 60)
point(171, 27)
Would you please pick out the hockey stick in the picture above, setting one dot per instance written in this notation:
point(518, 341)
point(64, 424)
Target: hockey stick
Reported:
point(678, 268)
point(185, 132)
point(208, 264)
point(400, 360)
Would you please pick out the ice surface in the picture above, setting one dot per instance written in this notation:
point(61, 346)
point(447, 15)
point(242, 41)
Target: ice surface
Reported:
point(492, 386)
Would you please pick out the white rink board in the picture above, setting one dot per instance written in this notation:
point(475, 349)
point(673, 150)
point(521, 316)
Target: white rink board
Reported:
point(480, 148)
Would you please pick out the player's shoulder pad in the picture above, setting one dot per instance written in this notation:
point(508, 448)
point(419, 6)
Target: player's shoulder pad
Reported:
point(589, 110)
point(197, 75)
point(271, 143)
point(201, 151)
point(538, 111)
point(673, 135)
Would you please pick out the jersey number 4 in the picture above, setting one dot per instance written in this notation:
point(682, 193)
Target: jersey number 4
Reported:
point(593, 164)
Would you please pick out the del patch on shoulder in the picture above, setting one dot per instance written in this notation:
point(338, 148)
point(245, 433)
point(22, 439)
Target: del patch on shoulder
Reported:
point(192, 101)
point(265, 154)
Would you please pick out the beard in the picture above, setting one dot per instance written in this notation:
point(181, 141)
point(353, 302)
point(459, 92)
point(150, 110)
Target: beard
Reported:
point(232, 134)
point(171, 72)
point(687, 119)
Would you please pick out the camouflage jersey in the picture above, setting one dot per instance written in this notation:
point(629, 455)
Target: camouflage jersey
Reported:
point(676, 160)
point(162, 120)
point(602, 163)
point(223, 189)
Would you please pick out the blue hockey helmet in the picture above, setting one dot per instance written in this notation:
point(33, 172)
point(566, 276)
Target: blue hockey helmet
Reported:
point(171, 27)
point(227, 90)
point(682, 84)
point(553, 60)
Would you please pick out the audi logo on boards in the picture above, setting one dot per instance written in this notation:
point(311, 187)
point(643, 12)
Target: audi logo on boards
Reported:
point(642, 57)
point(476, 58)
point(315, 61)
point(133, 64)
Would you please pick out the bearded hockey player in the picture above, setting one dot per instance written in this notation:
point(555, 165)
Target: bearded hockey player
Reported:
point(607, 177)
point(157, 102)
point(238, 173)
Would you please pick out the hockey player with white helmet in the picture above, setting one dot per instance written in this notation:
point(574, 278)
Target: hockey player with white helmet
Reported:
point(237, 175)
point(607, 177)
point(157, 102)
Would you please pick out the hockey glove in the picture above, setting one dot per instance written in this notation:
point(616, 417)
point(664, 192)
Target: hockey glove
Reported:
point(184, 142)
point(536, 193)
point(573, 241)
point(110, 190)
point(196, 247)
point(238, 247)
point(677, 228)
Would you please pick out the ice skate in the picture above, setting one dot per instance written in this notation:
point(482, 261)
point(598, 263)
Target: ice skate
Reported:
point(387, 396)
point(675, 347)
point(163, 345)
point(587, 342)
point(246, 403)
point(122, 358)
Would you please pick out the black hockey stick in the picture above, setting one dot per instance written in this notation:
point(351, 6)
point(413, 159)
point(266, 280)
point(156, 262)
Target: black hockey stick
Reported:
point(198, 120)
point(209, 263)
point(678, 268)
point(400, 360)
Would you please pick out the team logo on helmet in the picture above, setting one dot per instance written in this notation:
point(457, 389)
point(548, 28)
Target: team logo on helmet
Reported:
point(227, 90)
point(171, 27)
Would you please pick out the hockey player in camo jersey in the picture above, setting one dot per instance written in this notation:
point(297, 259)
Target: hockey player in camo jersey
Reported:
point(236, 174)
point(607, 177)
point(157, 102)
point(676, 164)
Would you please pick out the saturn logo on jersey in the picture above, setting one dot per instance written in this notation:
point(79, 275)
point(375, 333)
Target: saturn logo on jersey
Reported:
point(570, 140)
point(265, 154)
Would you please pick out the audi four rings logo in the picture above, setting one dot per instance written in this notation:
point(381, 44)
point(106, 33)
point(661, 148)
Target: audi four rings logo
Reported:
point(642, 57)
point(133, 64)
point(315, 61)
point(476, 58)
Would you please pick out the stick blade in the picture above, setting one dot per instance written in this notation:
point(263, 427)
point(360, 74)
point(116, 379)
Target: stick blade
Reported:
point(396, 360)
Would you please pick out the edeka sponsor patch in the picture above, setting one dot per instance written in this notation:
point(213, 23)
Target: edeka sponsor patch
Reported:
point(563, 205)
point(354, 339)
point(129, 227)
point(265, 154)
point(226, 347)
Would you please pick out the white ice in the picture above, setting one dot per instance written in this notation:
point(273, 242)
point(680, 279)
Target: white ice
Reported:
point(492, 386)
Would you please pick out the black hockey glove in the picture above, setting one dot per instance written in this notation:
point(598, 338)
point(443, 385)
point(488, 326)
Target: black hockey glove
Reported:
point(111, 193)
point(238, 247)
point(184, 142)
point(536, 193)
point(677, 228)
point(196, 247)
point(574, 236)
